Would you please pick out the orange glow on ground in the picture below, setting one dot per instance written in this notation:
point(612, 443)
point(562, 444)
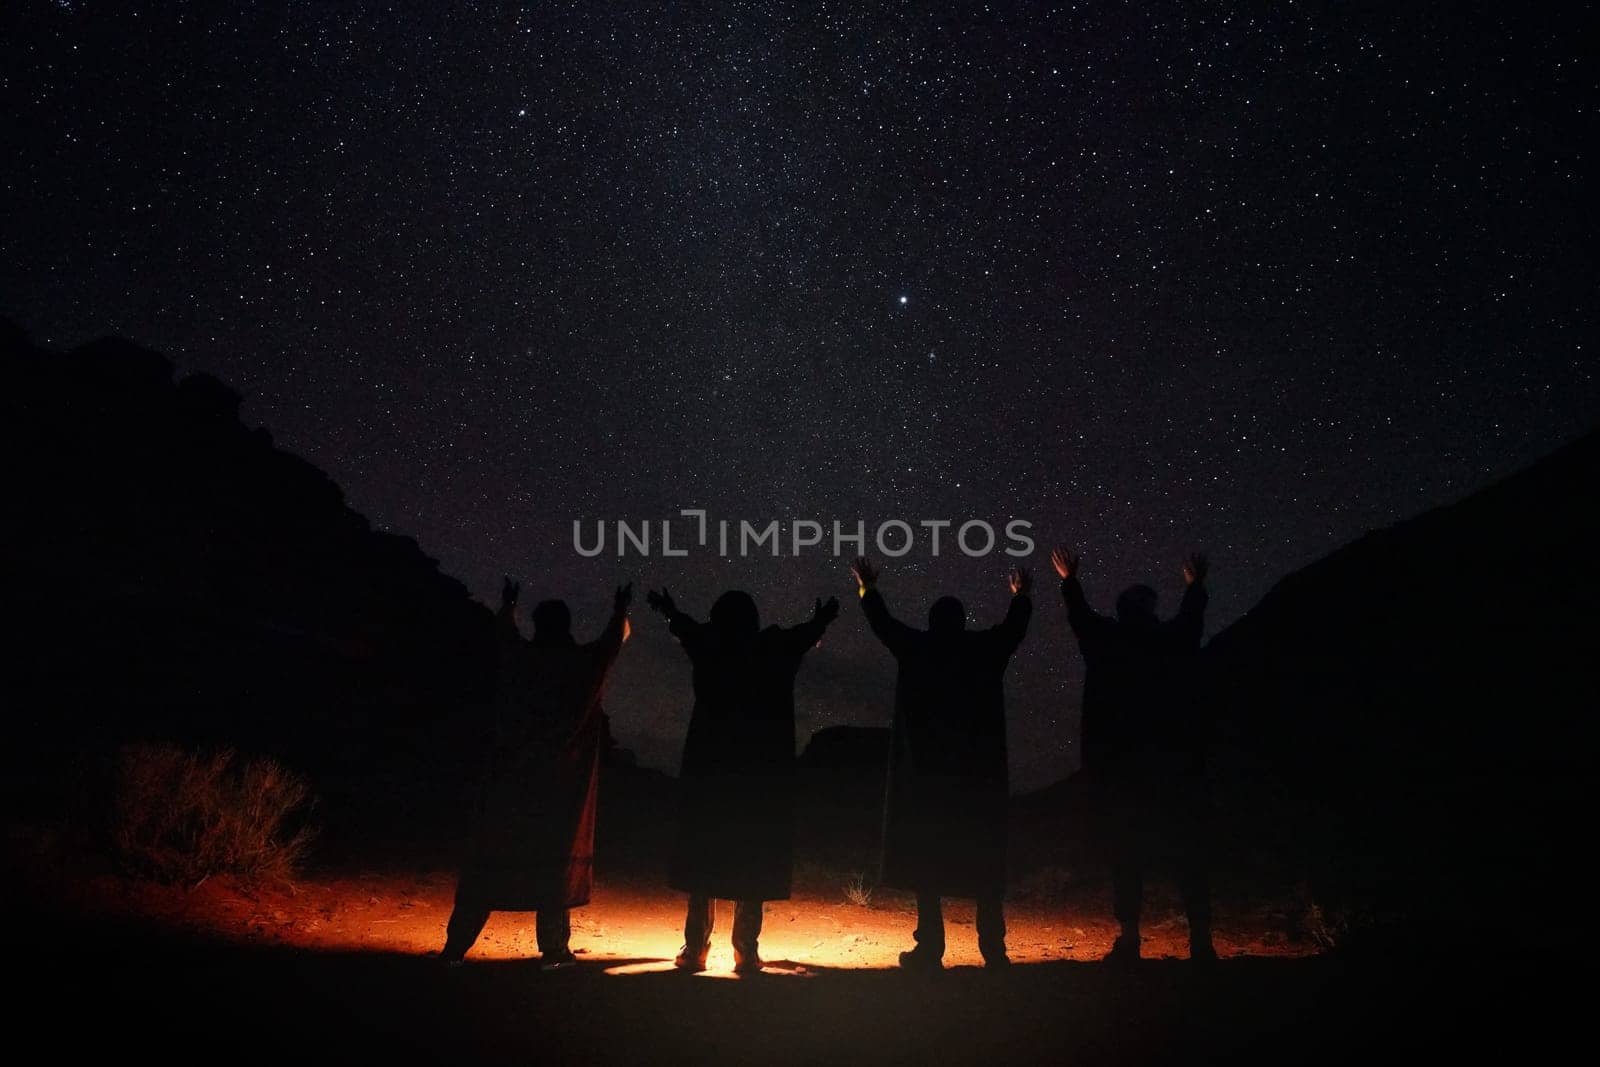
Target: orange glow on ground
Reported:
point(637, 929)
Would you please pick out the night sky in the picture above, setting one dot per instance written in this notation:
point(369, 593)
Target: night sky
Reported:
point(1154, 280)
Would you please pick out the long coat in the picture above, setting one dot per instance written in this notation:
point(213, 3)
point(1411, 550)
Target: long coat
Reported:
point(1137, 708)
point(944, 823)
point(533, 843)
point(1143, 739)
point(736, 816)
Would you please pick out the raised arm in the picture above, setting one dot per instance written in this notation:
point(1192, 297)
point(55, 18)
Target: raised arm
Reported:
point(1010, 631)
point(1184, 630)
point(609, 643)
point(803, 637)
point(683, 627)
point(1088, 624)
point(896, 635)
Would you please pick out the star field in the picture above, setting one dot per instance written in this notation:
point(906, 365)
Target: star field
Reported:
point(1252, 280)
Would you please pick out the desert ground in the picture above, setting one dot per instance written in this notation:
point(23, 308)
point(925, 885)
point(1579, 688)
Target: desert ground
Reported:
point(340, 966)
point(628, 925)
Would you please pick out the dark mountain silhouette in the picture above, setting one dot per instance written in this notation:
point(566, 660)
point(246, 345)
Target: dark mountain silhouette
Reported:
point(176, 575)
point(1408, 718)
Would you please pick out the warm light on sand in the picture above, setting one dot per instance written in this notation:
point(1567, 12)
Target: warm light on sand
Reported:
point(644, 934)
point(639, 930)
point(714, 969)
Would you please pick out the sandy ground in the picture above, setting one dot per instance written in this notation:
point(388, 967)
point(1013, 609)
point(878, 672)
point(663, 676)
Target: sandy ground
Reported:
point(407, 914)
point(339, 970)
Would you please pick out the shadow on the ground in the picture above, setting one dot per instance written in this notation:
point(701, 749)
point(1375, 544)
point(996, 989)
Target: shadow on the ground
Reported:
point(137, 990)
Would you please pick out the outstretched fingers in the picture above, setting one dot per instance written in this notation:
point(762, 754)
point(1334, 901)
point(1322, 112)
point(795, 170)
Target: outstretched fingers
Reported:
point(1065, 562)
point(1020, 580)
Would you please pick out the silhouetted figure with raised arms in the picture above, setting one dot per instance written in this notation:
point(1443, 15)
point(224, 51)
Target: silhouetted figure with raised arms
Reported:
point(533, 843)
point(736, 821)
point(1144, 745)
point(944, 831)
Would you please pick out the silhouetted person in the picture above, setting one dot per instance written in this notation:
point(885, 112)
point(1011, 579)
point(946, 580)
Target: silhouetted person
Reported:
point(736, 822)
point(533, 843)
point(1144, 745)
point(945, 814)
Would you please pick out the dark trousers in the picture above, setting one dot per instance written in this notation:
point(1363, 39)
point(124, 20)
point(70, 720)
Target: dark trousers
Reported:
point(1158, 817)
point(1194, 885)
point(552, 929)
point(991, 925)
point(702, 919)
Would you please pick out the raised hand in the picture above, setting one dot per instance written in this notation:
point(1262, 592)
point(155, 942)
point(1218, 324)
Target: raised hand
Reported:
point(1065, 563)
point(1020, 581)
point(1194, 568)
point(661, 602)
point(826, 613)
point(509, 593)
point(865, 573)
point(623, 597)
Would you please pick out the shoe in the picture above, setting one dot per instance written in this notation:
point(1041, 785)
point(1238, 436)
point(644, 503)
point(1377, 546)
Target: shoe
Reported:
point(748, 965)
point(1203, 953)
point(1125, 950)
point(451, 961)
point(918, 959)
point(549, 961)
point(690, 962)
point(998, 961)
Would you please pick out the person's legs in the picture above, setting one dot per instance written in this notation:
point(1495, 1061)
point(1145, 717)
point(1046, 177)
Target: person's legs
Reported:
point(1194, 884)
point(747, 916)
point(697, 927)
point(1118, 818)
point(1127, 899)
point(992, 930)
point(467, 921)
point(1127, 893)
point(553, 928)
point(929, 934)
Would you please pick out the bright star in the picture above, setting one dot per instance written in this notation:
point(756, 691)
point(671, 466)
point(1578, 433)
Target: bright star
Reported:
point(903, 299)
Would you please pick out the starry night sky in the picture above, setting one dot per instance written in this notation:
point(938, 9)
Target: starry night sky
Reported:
point(1250, 278)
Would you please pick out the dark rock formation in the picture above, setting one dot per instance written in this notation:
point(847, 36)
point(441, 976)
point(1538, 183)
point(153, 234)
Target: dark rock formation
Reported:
point(1409, 717)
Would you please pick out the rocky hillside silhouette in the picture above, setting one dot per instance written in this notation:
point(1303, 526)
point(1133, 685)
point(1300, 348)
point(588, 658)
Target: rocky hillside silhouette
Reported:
point(1409, 717)
point(177, 575)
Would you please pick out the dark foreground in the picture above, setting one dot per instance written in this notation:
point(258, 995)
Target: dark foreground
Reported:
point(135, 992)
